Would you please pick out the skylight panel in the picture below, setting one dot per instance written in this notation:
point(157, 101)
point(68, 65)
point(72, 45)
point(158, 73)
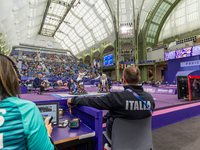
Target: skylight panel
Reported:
point(181, 18)
point(72, 19)
point(91, 2)
point(81, 9)
point(77, 38)
point(45, 26)
point(171, 1)
point(57, 39)
point(57, 9)
point(51, 20)
point(101, 9)
point(109, 24)
point(99, 32)
point(91, 19)
point(88, 39)
point(60, 35)
point(75, 52)
point(68, 42)
point(86, 24)
point(73, 36)
point(50, 27)
point(81, 29)
point(52, 7)
point(80, 45)
point(63, 45)
point(74, 48)
point(65, 28)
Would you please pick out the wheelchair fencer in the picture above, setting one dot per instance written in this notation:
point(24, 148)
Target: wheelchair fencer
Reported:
point(103, 84)
point(81, 87)
point(77, 88)
point(74, 87)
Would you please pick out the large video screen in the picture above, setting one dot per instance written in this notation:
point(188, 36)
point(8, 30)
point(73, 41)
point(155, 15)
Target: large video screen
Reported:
point(108, 60)
point(96, 64)
point(181, 53)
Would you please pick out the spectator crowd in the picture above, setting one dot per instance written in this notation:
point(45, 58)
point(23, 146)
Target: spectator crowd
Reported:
point(51, 65)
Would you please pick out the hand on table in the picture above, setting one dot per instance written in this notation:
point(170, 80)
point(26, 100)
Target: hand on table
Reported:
point(69, 102)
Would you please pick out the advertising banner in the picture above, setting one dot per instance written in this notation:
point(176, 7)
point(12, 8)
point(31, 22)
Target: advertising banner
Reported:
point(182, 53)
point(150, 89)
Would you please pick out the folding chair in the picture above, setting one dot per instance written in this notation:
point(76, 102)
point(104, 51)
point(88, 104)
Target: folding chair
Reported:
point(131, 134)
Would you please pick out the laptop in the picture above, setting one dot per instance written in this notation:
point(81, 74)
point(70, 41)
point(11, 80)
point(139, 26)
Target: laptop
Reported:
point(49, 109)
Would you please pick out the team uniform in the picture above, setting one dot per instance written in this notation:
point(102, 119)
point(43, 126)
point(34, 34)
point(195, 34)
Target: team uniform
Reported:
point(103, 81)
point(81, 87)
point(22, 126)
point(60, 82)
point(120, 105)
point(74, 87)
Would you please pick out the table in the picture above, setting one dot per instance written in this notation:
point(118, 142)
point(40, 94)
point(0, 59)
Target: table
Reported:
point(92, 117)
point(66, 137)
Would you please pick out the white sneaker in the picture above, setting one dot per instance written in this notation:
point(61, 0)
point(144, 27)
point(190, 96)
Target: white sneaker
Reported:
point(106, 147)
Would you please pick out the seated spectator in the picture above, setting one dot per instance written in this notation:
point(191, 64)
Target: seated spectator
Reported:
point(27, 82)
point(26, 129)
point(37, 84)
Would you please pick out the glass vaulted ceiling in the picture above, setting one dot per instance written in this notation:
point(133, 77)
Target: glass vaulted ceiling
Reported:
point(157, 18)
point(88, 23)
point(184, 18)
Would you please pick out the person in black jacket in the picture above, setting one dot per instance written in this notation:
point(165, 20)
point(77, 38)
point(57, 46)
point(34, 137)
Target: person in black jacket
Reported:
point(37, 84)
point(69, 84)
point(121, 104)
